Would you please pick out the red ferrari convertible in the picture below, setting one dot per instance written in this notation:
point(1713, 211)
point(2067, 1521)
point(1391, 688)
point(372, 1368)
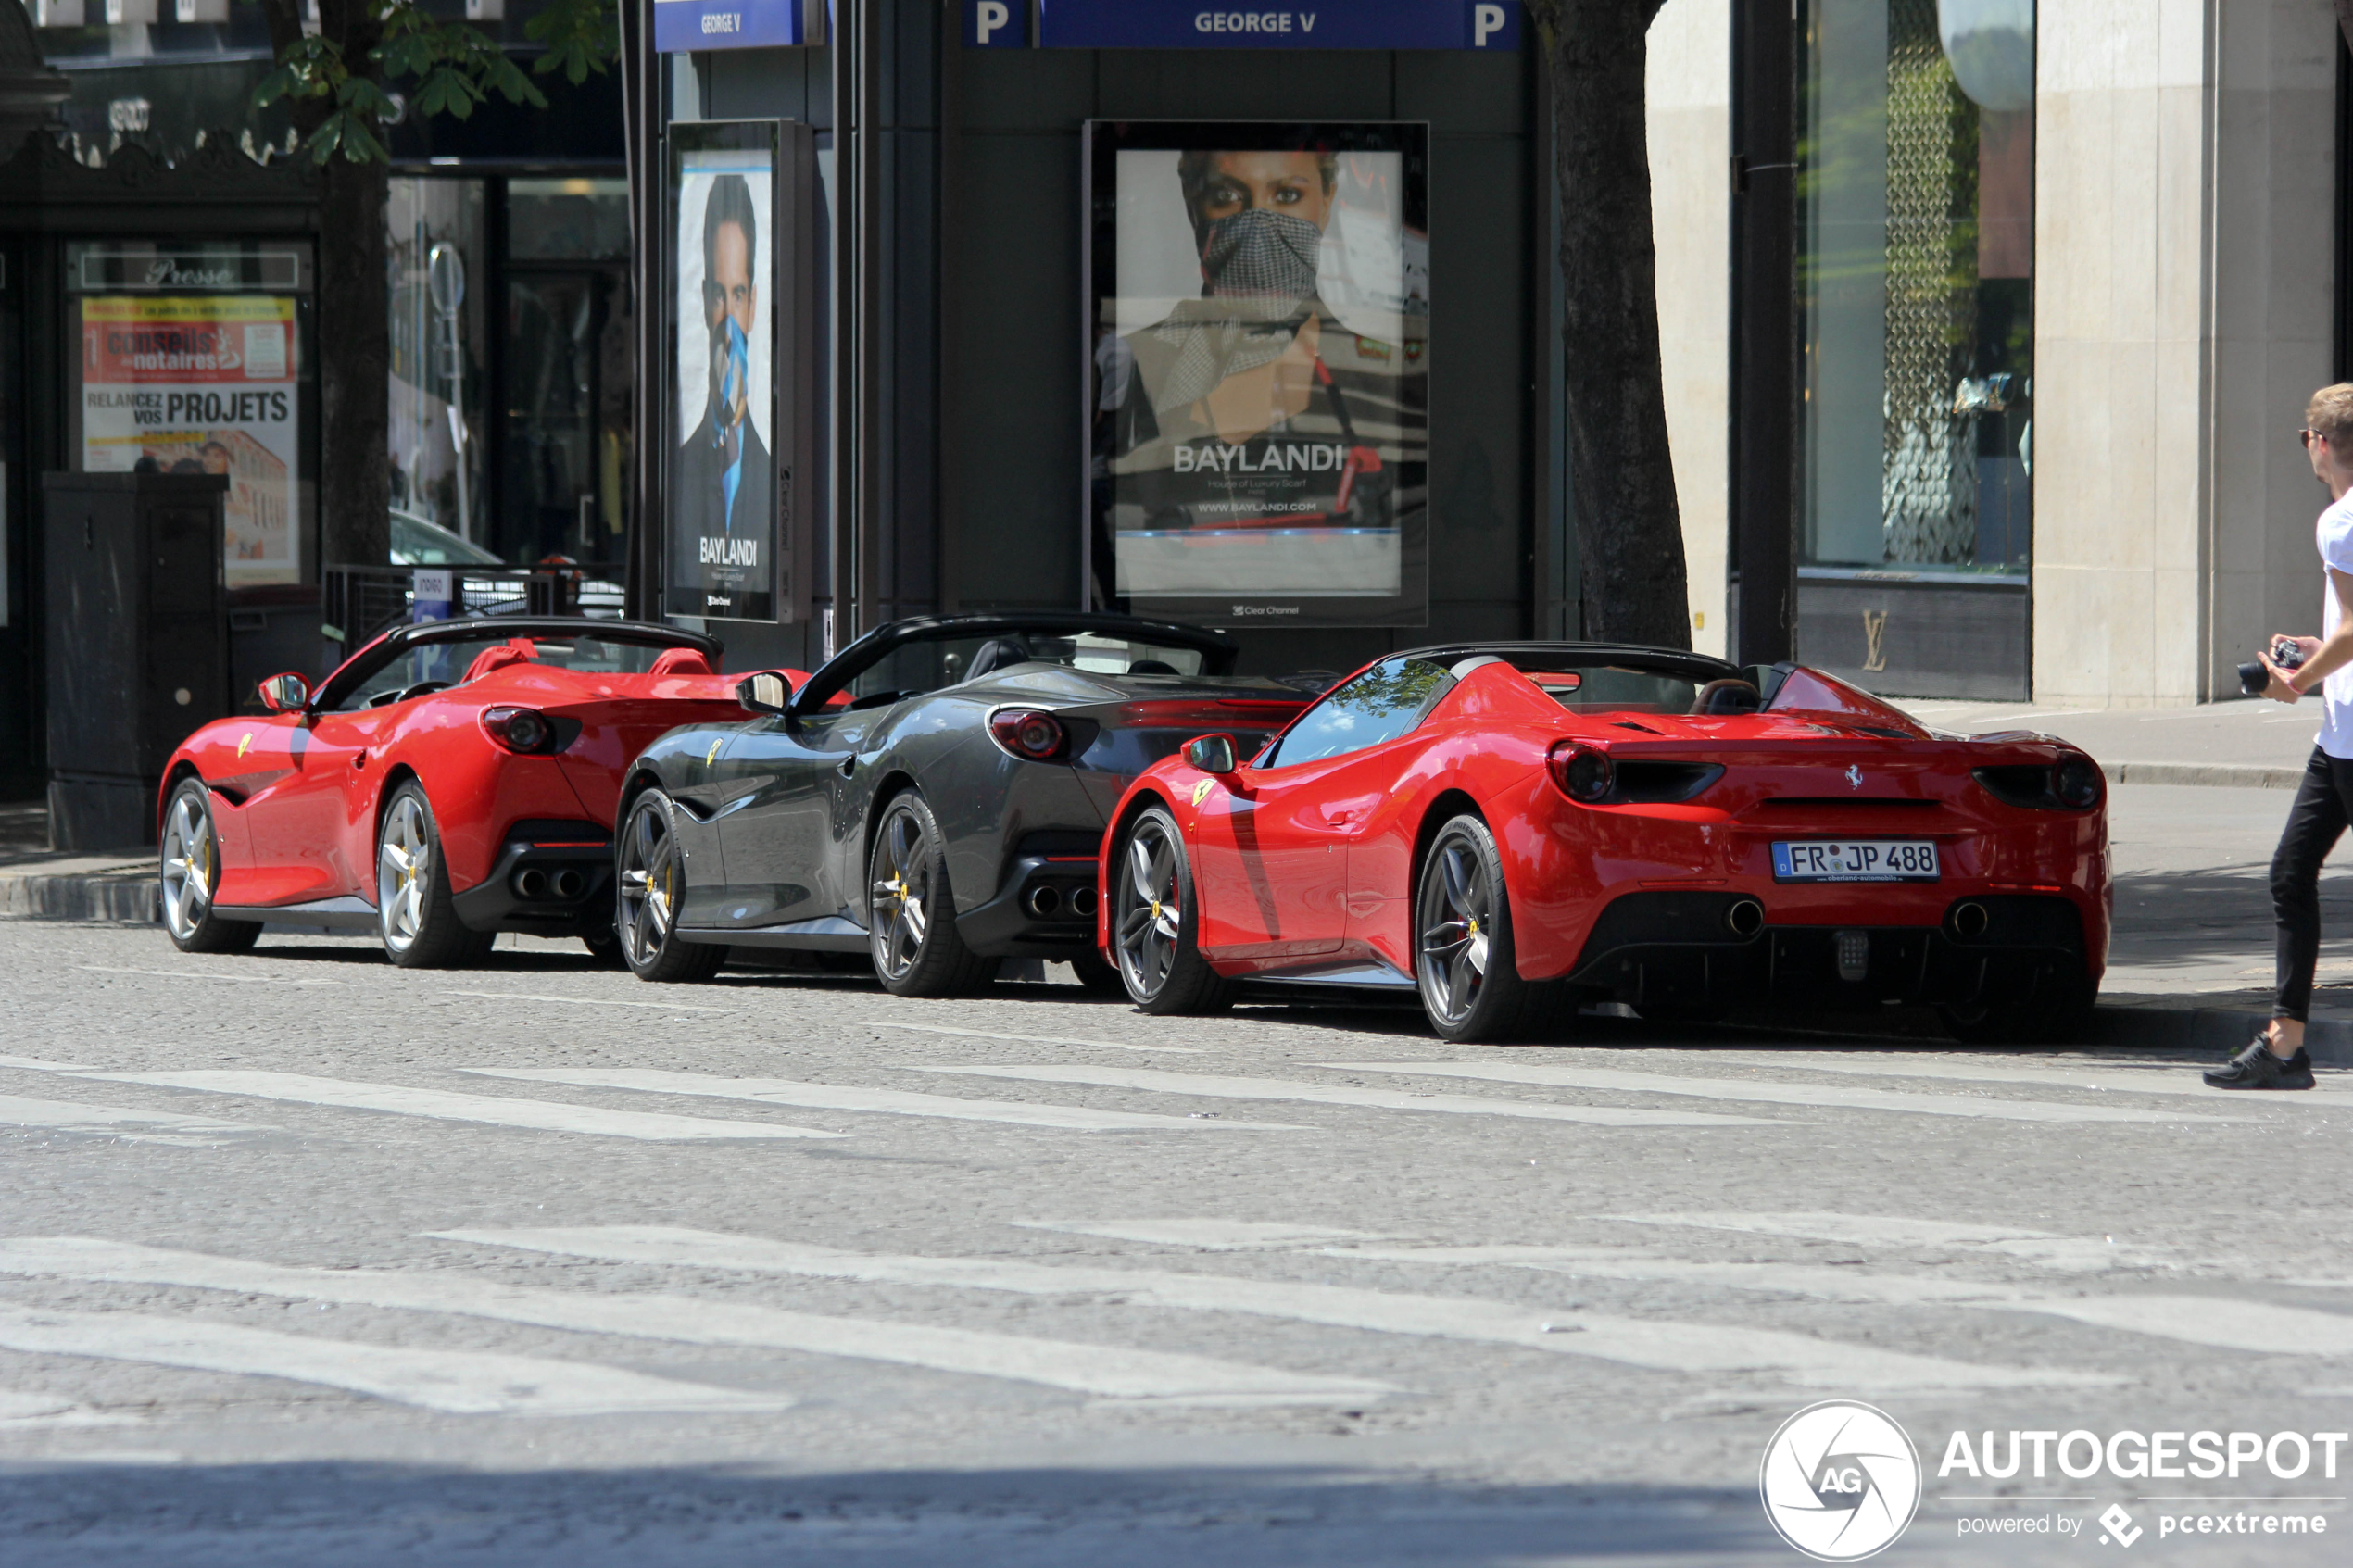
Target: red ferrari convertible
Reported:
point(1514, 829)
point(452, 780)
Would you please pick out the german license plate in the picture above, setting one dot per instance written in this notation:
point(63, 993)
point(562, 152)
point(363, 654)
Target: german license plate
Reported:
point(1855, 859)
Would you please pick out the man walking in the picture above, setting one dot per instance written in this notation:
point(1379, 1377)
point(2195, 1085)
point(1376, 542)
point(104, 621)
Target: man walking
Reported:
point(2276, 1059)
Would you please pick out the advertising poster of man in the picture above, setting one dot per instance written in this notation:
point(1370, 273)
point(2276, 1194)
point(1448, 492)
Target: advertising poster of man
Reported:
point(201, 384)
point(723, 560)
point(1260, 323)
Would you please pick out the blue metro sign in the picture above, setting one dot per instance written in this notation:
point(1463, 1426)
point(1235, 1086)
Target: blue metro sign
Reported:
point(1209, 24)
point(689, 26)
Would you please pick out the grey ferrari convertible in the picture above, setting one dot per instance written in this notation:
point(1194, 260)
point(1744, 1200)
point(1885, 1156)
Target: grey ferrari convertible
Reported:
point(932, 797)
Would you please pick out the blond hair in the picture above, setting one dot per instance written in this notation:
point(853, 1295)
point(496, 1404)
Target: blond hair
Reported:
point(2331, 414)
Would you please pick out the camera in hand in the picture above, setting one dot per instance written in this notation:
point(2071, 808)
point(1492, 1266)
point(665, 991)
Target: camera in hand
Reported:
point(2255, 679)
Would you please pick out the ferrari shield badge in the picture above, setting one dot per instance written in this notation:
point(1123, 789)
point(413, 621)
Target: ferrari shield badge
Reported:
point(1200, 790)
point(246, 744)
point(713, 755)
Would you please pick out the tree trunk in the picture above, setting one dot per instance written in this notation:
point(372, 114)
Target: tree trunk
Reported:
point(1628, 531)
point(354, 333)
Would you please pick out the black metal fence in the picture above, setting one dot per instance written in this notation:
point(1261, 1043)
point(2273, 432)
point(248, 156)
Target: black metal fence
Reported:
point(358, 602)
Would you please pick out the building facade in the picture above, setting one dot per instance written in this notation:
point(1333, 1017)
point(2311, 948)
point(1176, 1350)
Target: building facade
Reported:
point(1986, 324)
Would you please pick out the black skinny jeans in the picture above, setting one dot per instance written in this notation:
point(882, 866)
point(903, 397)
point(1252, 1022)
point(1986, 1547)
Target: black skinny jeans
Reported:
point(2323, 809)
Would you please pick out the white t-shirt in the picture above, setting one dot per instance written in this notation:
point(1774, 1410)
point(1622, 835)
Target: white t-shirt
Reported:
point(2335, 534)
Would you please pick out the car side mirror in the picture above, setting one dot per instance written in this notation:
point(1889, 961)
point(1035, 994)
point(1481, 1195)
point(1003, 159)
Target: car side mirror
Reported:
point(1211, 754)
point(284, 694)
point(767, 692)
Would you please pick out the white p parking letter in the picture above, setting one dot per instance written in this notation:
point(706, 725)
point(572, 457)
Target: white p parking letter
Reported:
point(1485, 23)
point(992, 18)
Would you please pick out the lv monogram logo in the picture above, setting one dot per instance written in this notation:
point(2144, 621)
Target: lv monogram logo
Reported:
point(1875, 640)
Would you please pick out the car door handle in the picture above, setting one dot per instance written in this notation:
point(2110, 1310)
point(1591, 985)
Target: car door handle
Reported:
point(1339, 816)
point(848, 765)
point(358, 758)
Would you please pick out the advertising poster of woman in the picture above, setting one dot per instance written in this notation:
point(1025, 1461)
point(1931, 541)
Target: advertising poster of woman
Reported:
point(1259, 319)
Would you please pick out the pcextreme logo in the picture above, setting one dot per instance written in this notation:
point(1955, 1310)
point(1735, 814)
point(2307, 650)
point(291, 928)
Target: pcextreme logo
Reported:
point(1841, 1481)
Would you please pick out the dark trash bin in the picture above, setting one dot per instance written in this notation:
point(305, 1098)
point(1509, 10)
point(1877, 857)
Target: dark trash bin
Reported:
point(137, 646)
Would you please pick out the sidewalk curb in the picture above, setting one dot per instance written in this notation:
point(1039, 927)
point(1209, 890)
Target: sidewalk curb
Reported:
point(2225, 775)
point(2221, 1030)
point(135, 899)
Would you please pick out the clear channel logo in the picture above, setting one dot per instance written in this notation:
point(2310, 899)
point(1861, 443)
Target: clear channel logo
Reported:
point(1841, 1481)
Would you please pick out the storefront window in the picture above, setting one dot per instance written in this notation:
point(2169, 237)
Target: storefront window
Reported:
point(510, 369)
point(566, 384)
point(1915, 274)
point(435, 233)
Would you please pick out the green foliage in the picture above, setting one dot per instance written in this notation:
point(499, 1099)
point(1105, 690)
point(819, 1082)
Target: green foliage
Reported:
point(580, 36)
point(454, 66)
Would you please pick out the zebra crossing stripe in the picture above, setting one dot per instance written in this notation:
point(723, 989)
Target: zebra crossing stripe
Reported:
point(138, 1126)
point(888, 1102)
point(1104, 1372)
point(1205, 1236)
point(1030, 1039)
point(1764, 1092)
point(460, 1382)
point(1210, 1086)
point(1659, 1344)
point(2170, 1079)
point(440, 1104)
point(2065, 1253)
point(2191, 1319)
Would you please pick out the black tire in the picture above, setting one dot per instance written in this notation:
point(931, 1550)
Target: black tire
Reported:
point(2045, 1017)
point(1155, 913)
point(188, 869)
point(1464, 960)
point(415, 917)
point(648, 882)
point(1101, 979)
point(911, 922)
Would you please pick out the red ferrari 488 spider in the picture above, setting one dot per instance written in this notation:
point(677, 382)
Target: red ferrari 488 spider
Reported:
point(1518, 828)
point(452, 780)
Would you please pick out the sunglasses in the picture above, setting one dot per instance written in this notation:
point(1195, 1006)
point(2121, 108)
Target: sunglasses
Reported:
point(2307, 437)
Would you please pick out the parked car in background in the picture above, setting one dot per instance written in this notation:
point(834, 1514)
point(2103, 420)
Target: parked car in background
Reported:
point(1514, 829)
point(450, 781)
point(934, 796)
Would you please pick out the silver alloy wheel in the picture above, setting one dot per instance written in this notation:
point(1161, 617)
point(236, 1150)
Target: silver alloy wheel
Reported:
point(1456, 916)
point(648, 882)
point(1149, 912)
point(902, 892)
point(188, 864)
point(404, 871)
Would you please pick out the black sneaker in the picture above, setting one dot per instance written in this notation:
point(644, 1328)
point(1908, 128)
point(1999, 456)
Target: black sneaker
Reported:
point(2258, 1067)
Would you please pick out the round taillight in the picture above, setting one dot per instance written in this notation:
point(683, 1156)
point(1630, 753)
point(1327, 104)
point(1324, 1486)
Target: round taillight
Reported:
point(2076, 781)
point(518, 729)
point(1028, 734)
point(1581, 773)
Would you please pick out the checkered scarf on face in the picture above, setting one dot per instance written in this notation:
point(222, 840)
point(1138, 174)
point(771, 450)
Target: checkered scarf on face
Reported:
point(1258, 275)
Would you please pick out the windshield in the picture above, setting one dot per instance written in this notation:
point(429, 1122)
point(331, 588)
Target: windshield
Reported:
point(434, 665)
point(929, 666)
point(1609, 688)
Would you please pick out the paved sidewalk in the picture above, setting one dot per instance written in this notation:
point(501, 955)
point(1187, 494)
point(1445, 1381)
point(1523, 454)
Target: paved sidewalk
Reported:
point(2244, 743)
